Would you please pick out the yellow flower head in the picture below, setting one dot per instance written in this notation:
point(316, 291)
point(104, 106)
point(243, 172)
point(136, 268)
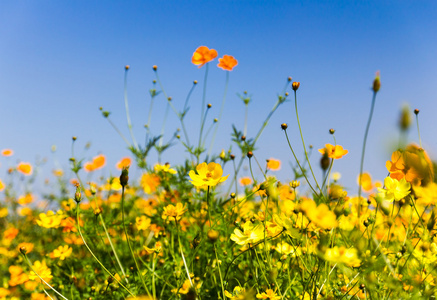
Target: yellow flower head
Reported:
point(394, 189)
point(42, 270)
point(165, 168)
point(334, 152)
point(269, 295)
point(50, 220)
point(172, 212)
point(142, 222)
point(273, 164)
point(249, 235)
point(62, 252)
point(207, 175)
point(347, 256)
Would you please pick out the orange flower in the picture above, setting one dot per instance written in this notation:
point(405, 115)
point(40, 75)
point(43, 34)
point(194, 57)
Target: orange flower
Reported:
point(25, 168)
point(203, 55)
point(273, 164)
point(2, 185)
point(334, 152)
point(124, 163)
point(227, 62)
point(245, 181)
point(366, 182)
point(98, 162)
point(7, 152)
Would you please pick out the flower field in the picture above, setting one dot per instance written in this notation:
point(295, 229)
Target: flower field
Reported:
point(195, 231)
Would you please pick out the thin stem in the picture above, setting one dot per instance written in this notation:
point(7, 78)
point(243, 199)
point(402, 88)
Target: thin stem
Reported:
point(418, 130)
point(246, 111)
point(94, 256)
point(220, 114)
point(118, 131)
point(30, 265)
point(298, 163)
point(128, 242)
point(303, 143)
point(129, 124)
point(363, 152)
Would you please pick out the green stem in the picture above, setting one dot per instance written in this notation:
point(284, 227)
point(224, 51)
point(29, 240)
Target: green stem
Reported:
point(128, 242)
point(30, 265)
point(220, 114)
point(363, 152)
point(303, 143)
point(94, 256)
point(129, 124)
point(418, 130)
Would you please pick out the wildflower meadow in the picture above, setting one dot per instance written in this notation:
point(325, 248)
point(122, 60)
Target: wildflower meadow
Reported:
point(201, 229)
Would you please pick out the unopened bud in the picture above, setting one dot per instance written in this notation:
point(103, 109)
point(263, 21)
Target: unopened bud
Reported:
point(74, 138)
point(195, 82)
point(416, 111)
point(289, 79)
point(376, 83)
point(23, 250)
point(77, 194)
point(324, 162)
point(124, 177)
point(284, 126)
point(209, 105)
point(295, 85)
point(331, 131)
point(126, 67)
point(155, 67)
point(249, 154)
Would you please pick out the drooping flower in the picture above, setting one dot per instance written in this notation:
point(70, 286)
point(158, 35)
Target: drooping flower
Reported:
point(203, 55)
point(227, 62)
point(207, 175)
point(273, 164)
point(25, 168)
point(334, 152)
point(394, 189)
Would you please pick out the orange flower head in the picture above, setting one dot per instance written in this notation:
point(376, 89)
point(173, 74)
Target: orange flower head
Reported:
point(273, 164)
point(334, 152)
point(203, 55)
point(245, 181)
point(25, 168)
point(227, 62)
point(7, 152)
point(99, 161)
point(124, 163)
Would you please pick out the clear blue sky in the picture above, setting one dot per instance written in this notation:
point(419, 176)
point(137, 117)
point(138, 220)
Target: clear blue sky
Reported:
point(61, 60)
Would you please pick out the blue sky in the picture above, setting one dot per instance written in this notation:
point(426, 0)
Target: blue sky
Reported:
point(61, 60)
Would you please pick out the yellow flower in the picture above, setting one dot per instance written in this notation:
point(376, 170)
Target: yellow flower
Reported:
point(50, 220)
point(142, 222)
point(26, 199)
point(334, 152)
point(3, 212)
point(17, 276)
point(269, 295)
point(250, 234)
point(207, 175)
point(62, 252)
point(3, 293)
point(172, 212)
point(273, 164)
point(2, 185)
point(394, 189)
point(42, 270)
point(237, 294)
point(149, 182)
point(347, 256)
point(165, 168)
point(320, 215)
point(366, 182)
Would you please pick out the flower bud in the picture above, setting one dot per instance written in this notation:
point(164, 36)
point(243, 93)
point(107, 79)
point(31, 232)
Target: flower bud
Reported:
point(376, 83)
point(77, 194)
point(416, 111)
point(126, 67)
point(23, 250)
point(155, 67)
point(284, 126)
point(249, 154)
point(124, 177)
point(331, 131)
point(295, 85)
point(324, 162)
